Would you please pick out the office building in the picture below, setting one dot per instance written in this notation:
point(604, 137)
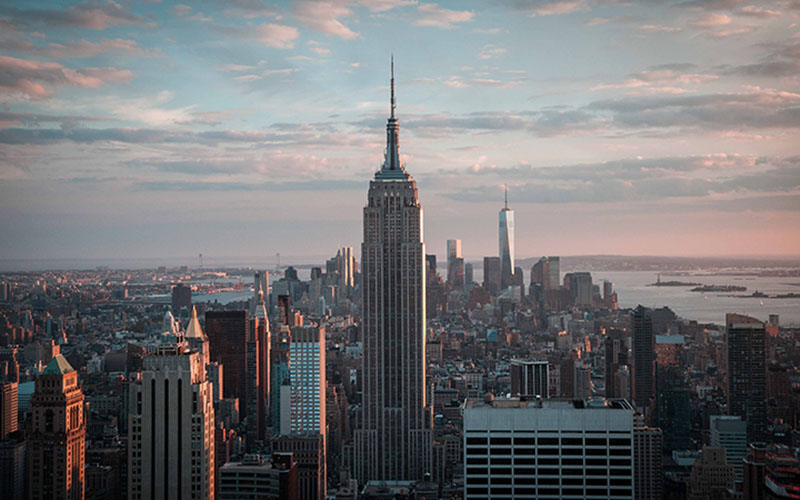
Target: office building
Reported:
point(171, 427)
point(491, 274)
point(647, 463)
point(747, 396)
point(580, 288)
point(529, 378)
point(730, 432)
point(258, 478)
point(181, 298)
point(753, 469)
point(469, 274)
point(782, 474)
point(546, 271)
point(644, 358)
point(261, 284)
point(227, 333)
point(307, 380)
point(616, 357)
point(548, 449)
point(8, 409)
point(308, 453)
point(711, 475)
point(56, 441)
point(455, 273)
point(506, 245)
point(346, 268)
point(395, 438)
point(13, 471)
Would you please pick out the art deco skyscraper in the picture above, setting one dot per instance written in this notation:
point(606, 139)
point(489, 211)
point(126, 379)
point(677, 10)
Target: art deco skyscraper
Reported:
point(57, 436)
point(394, 441)
point(506, 245)
point(171, 427)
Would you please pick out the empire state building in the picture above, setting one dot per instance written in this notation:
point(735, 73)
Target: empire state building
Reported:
point(394, 439)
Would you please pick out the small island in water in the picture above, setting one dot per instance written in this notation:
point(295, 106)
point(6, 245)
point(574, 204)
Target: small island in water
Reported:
point(673, 283)
point(719, 288)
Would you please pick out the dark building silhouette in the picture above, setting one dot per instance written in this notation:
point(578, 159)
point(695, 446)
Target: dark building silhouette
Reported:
point(616, 357)
point(529, 378)
point(491, 274)
point(227, 333)
point(644, 358)
point(181, 297)
point(747, 397)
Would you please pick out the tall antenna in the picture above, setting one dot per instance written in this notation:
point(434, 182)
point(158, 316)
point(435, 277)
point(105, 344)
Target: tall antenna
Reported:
point(394, 102)
point(506, 185)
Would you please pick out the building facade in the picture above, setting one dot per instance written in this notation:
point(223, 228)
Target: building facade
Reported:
point(530, 378)
point(395, 437)
point(559, 449)
point(506, 245)
point(747, 386)
point(57, 439)
point(171, 427)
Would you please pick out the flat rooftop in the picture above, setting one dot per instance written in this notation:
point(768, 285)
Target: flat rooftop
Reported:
point(552, 404)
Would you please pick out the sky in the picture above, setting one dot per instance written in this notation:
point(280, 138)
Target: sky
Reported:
point(246, 128)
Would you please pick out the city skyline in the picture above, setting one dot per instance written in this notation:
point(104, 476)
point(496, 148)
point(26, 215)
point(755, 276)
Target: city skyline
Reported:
point(645, 129)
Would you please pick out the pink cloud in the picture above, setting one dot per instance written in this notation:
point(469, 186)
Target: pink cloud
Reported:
point(385, 5)
point(277, 35)
point(711, 21)
point(31, 79)
point(430, 14)
point(323, 16)
point(560, 7)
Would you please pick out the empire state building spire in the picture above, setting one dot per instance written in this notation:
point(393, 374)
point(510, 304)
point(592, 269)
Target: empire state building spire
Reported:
point(391, 164)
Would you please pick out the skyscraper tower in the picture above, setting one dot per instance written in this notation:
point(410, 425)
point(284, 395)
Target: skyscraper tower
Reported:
point(644, 358)
point(394, 441)
point(506, 245)
point(58, 435)
point(171, 427)
point(746, 373)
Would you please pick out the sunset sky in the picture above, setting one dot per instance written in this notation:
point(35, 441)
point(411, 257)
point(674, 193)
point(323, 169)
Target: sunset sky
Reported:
point(242, 128)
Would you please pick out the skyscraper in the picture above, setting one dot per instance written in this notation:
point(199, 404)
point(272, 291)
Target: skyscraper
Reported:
point(506, 245)
point(529, 378)
point(644, 358)
point(8, 408)
point(181, 297)
point(227, 334)
point(57, 437)
point(395, 438)
point(455, 271)
point(307, 379)
point(491, 274)
point(747, 374)
point(171, 427)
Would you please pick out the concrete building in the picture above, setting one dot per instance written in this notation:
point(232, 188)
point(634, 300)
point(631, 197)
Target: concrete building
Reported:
point(580, 288)
point(643, 369)
point(8, 409)
point(491, 274)
point(647, 463)
point(171, 427)
point(548, 449)
point(257, 478)
point(227, 333)
point(181, 298)
point(56, 453)
point(395, 438)
point(530, 378)
point(754, 469)
point(711, 475)
point(307, 380)
point(730, 432)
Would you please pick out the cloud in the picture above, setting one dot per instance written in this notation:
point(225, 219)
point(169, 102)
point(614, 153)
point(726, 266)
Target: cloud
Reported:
point(637, 179)
point(10, 119)
point(655, 28)
point(551, 7)
point(430, 14)
point(323, 16)
point(386, 5)
point(659, 76)
point(490, 52)
point(81, 48)
point(759, 12)
point(36, 80)
point(710, 21)
point(88, 15)
point(276, 35)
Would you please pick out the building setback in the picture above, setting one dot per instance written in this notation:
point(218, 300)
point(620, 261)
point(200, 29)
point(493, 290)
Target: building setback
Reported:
point(394, 441)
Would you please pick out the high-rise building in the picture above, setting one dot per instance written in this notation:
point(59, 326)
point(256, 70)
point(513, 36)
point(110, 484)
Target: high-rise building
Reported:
point(644, 358)
point(261, 283)
point(395, 438)
point(227, 333)
point(308, 452)
point(469, 274)
point(346, 263)
point(56, 442)
point(8, 408)
point(171, 427)
point(754, 468)
point(580, 288)
point(530, 378)
point(558, 448)
point(257, 356)
point(711, 475)
point(647, 463)
point(782, 474)
point(506, 234)
point(673, 408)
point(747, 393)
point(181, 297)
point(616, 357)
point(491, 274)
point(307, 380)
point(455, 273)
point(258, 478)
point(730, 432)
point(13, 468)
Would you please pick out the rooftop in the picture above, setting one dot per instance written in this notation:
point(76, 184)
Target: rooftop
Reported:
point(58, 366)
